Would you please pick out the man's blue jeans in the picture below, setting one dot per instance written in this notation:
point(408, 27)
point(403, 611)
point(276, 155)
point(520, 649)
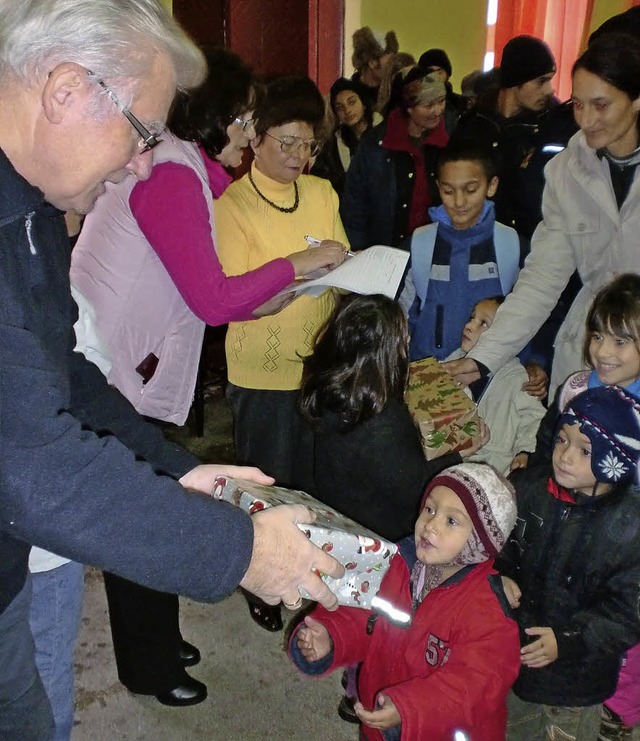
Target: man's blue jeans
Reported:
point(56, 613)
point(25, 712)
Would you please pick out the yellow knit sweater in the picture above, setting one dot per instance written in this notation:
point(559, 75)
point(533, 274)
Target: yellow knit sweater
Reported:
point(266, 353)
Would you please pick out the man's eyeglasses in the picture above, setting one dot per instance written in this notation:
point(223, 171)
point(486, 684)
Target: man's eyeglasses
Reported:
point(149, 140)
point(244, 122)
point(291, 144)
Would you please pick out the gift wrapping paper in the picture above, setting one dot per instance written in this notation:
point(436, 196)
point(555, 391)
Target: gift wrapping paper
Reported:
point(364, 555)
point(446, 416)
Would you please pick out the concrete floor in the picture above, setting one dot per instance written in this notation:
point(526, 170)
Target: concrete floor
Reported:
point(254, 691)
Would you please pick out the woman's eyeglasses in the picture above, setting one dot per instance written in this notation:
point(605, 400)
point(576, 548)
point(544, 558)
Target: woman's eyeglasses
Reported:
point(244, 122)
point(291, 144)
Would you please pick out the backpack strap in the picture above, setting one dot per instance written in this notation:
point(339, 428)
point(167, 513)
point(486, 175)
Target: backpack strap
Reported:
point(422, 245)
point(507, 246)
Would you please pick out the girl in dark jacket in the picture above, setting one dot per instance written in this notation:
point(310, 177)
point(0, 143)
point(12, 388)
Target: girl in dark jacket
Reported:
point(573, 567)
point(368, 461)
point(353, 111)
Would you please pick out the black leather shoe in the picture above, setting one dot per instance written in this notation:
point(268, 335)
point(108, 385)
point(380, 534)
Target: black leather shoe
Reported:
point(267, 616)
point(190, 692)
point(346, 711)
point(189, 655)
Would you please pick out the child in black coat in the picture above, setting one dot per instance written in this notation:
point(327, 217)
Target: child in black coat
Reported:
point(573, 568)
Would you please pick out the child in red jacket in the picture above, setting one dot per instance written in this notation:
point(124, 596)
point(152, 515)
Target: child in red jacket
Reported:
point(439, 651)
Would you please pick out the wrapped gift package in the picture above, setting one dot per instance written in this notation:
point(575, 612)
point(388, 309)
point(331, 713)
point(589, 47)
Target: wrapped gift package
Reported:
point(364, 555)
point(446, 416)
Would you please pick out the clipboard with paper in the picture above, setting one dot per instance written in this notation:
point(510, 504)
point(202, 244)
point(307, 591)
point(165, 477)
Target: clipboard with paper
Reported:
point(378, 269)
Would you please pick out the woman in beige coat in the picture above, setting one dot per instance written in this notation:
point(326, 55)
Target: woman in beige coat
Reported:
point(591, 215)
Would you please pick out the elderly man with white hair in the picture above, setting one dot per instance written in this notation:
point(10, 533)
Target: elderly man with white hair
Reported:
point(85, 88)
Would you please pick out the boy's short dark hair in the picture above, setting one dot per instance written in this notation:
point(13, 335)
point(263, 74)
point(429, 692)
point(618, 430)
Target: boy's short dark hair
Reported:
point(467, 150)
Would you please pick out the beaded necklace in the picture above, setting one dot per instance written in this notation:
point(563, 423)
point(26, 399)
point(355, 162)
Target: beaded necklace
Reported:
point(284, 210)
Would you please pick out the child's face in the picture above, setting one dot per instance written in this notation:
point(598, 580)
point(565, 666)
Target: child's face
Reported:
point(482, 316)
point(443, 527)
point(572, 461)
point(615, 359)
point(463, 188)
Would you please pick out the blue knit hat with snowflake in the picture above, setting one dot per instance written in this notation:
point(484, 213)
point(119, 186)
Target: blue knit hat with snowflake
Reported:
point(610, 418)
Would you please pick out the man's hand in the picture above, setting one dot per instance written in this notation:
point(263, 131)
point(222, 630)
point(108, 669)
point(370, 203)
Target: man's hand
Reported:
point(464, 371)
point(542, 652)
point(201, 478)
point(284, 559)
point(512, 592)
point(482, 438)
point(313, 640)
point(538, 382)
point(327, 255)
point(383, 718)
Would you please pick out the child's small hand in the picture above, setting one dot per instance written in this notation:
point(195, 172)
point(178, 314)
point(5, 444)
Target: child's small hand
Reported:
point(314, 640)
point(512, 592)
point(520, 461)
point(538, 381)
point(542, 652)
point(385, 715)
point(482, 438)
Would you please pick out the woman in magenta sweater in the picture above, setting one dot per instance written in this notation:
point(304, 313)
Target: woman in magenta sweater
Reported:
point(147, 279)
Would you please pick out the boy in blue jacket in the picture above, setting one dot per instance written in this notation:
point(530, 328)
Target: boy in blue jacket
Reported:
point(463, 257)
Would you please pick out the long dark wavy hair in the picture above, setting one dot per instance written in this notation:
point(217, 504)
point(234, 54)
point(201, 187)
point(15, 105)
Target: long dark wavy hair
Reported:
point(359, 361)
point(203, 115)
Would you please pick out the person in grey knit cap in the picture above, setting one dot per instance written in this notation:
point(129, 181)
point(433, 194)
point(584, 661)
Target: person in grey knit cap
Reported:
point(439, 649)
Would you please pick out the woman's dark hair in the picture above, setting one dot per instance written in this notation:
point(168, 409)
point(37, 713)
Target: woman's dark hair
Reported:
point(467, 150)
point(339, 86)
point(289, 99)
point(614, 58)
point(203, 115)
point(616, 310)
point(359, 361)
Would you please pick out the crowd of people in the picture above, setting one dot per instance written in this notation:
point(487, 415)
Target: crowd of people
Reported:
point(516, 586)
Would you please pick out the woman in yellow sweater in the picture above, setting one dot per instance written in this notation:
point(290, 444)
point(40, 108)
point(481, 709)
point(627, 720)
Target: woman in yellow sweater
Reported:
point(264, 215)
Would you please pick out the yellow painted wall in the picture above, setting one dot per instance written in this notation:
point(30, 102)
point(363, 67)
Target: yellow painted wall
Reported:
point(168, 4)
point(458, 26)
point(603, 9)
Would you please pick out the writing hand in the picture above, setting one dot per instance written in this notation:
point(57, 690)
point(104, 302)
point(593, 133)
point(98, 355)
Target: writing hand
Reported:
point(329, 254)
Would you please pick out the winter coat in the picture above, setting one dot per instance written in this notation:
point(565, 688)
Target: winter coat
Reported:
point(68, 483)
point(582, 229)
point(450, 669)
point(578, 567)
point(136, 307)
point(512, 415)
point(379, 186)
point(512, 142)
point(374, 472)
